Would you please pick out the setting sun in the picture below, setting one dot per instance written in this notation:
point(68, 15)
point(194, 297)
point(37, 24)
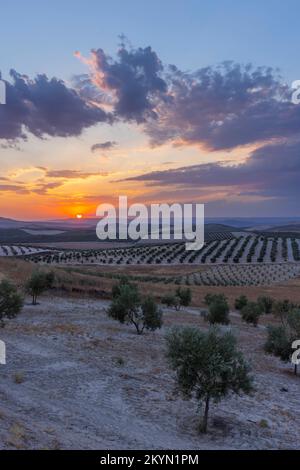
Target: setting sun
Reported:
point(78, 216)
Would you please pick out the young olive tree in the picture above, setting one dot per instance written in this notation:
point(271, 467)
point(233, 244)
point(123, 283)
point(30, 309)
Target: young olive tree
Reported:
point(208, 366)
point(240, 302)
point(266, 304)
point(251, 313)
point(184, 295)
point(280, 338)
point(129, 307)
point(38, 283)
point(218, 311)
point(11, 301)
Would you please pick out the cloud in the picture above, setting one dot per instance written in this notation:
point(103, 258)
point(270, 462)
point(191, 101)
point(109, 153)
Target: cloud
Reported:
point(271, 171)
point(13, 188)
point(43, 188)
point(224, 107)
point(108, 145)
point(45, 107)
point(69, 174)
point(218, 108)
point(132, 83)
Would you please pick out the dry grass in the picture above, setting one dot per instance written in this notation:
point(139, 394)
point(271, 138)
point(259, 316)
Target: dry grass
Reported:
point(87, 283)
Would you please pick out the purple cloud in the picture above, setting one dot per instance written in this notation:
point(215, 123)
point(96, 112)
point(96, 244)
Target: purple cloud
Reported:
point(272, 171)
point(45, 107)
point(104, 146)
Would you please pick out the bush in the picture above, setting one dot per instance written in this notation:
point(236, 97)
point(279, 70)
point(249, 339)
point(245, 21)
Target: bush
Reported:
point(251, 313)
point(11, 301)
point(152, 314)
point(209, 298)
point(218, 312)
point(116, 287)
point(208, 365)
point(170, 300)
point(281, 310)
point(278, 342)
point(240, 302)
point(184, 295)
point(265, 303)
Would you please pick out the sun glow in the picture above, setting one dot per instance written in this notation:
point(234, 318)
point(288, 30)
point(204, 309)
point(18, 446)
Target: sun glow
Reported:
point(79, 216)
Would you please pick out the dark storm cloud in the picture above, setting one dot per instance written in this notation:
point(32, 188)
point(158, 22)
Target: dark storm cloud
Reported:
point(103, 146)
point(45, 107)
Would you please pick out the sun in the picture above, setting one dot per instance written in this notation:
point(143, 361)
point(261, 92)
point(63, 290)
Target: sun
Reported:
point(79, 216)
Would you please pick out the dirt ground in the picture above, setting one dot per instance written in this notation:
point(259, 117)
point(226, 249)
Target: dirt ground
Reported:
point(75, 379)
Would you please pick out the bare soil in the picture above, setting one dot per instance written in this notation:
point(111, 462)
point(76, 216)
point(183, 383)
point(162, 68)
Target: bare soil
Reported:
point(75, 379)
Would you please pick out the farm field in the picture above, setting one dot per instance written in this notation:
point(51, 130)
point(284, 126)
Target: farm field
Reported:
point(243, 249)
point(236, 261)
point(19, 250)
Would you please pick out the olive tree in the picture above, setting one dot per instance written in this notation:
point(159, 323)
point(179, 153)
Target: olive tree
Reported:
point(280, 338)
point(171, 300)
point(218, 310)
point(128, 306)
point(251, 313)
point(38, 283)
point(208, 366)
point(11, 302)
point(184, 295)
point(265, 303)
point(240, 302)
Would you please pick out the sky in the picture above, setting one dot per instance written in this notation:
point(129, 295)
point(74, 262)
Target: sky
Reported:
point(173, 101)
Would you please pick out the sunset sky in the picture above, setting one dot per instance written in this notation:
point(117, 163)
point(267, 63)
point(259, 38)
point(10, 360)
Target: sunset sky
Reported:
point(162, 101)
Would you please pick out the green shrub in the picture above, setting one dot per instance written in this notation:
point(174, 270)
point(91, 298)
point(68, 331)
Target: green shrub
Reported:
point(265, 303)
point(218, 312)
point(170, 300)
point(11, 301)
point(240, 302)
point(251, 313)
point(209, 298)
point(184, 295)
